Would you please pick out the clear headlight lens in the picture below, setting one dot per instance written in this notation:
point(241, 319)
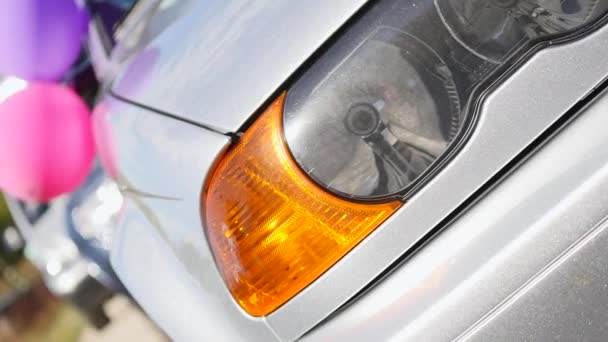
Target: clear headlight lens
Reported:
point(374, 115)
point(379, 120)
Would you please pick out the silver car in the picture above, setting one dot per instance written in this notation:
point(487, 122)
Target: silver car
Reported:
point(403, 170)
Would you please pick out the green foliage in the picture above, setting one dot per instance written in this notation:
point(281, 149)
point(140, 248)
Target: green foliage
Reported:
point(6, 257)
point(5, 216)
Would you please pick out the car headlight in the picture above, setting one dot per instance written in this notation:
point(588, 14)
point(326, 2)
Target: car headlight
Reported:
point(372, 118)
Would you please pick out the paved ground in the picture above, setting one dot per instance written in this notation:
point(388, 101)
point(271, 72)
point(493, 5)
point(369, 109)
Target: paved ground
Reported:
point(127, 324)
point(33, 314)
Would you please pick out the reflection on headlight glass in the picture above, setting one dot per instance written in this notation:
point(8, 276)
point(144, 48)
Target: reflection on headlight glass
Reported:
point(493, 28)
point(386, 100)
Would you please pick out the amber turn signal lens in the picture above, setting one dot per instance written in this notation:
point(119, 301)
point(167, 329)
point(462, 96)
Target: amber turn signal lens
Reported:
point(271, 229)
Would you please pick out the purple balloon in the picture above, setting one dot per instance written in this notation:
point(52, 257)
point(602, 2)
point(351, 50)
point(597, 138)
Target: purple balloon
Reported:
point(40, 39)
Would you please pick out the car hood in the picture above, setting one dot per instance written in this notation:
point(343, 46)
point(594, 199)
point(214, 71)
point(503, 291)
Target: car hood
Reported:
point(218, 62)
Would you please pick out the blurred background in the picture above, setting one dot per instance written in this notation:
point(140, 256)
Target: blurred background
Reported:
point(30, 311)
point(57, 214)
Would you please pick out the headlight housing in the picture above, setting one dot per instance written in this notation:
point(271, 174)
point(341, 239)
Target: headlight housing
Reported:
point(371, 119)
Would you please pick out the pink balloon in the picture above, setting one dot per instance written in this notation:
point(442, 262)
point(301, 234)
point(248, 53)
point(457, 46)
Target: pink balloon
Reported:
point(46, 143)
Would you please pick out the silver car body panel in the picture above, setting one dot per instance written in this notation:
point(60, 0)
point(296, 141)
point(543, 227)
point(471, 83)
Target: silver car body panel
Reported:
point(527, 262)
point(162, 163)
point(569, 304)
point(221, 60)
